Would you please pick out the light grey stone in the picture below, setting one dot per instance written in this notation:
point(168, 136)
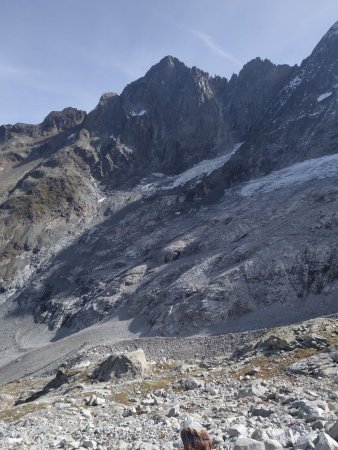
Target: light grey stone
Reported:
point(244, 443)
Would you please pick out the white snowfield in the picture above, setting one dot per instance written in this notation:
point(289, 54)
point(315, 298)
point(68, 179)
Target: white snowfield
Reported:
point(312, 169)
point(324, 96)
point(134, 113)
point(203, 168)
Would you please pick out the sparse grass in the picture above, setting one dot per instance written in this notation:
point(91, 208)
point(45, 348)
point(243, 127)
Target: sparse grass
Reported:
point(332, 336)
point(17, 388)
point(148, 386)
point(141, 389)
point(15, 413)
point(271, 366)
point(167, 367)
point(122, 398)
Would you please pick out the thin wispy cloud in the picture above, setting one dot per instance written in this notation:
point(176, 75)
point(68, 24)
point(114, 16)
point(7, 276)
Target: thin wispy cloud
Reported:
point(74, 67)
point(206, 39)
point(216, 49)
point(10, 71)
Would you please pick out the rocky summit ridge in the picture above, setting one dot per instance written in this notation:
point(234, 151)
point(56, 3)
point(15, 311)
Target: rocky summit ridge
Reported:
point(187, 204)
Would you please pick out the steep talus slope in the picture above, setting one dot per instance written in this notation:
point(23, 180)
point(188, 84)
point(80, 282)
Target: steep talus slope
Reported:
point(211, 263)
point(187, 196)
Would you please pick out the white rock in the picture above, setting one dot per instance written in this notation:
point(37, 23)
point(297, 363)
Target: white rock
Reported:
point(238, 430)
point(255, 389)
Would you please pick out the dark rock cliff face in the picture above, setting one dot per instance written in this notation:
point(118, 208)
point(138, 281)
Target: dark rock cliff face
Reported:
point(174, 116)
point(149, 203)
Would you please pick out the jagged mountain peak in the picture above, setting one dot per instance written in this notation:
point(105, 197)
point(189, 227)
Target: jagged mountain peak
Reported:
point(168, 63)
point(325, 52)
point(63, 120)
point(106, 97)
point(259, 64)
point(170, 70)
point(332, 33)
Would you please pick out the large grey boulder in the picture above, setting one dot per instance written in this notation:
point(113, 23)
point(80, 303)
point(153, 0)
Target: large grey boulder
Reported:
point(255, 389)
point(332, 430)
point(309, 410)
point(317, 365)
point(272, 444)
point(260, 435)
point(325, 442)
point(237, 430)
point(275, 342)
point(314, 341)
point(284, 436)
point(118, 365)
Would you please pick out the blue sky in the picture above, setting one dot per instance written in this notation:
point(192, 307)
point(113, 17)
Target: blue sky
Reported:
point(68, 52)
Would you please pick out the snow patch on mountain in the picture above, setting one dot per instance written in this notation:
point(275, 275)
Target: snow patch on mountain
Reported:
point(324, 96)
point(205, 167)
point(149, 186)
point(318, 168)
point(288, 90)
point(134, 113)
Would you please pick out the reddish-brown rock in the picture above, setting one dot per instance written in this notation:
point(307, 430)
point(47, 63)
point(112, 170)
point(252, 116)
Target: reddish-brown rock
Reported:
point(195, 439)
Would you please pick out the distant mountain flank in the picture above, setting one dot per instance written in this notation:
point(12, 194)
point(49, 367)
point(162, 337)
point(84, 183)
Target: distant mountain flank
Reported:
point(195, 203)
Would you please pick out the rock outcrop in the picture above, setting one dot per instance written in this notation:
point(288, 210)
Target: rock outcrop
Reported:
point(126, 365)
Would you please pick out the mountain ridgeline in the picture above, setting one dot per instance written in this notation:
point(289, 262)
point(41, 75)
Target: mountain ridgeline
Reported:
point(195, 202)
